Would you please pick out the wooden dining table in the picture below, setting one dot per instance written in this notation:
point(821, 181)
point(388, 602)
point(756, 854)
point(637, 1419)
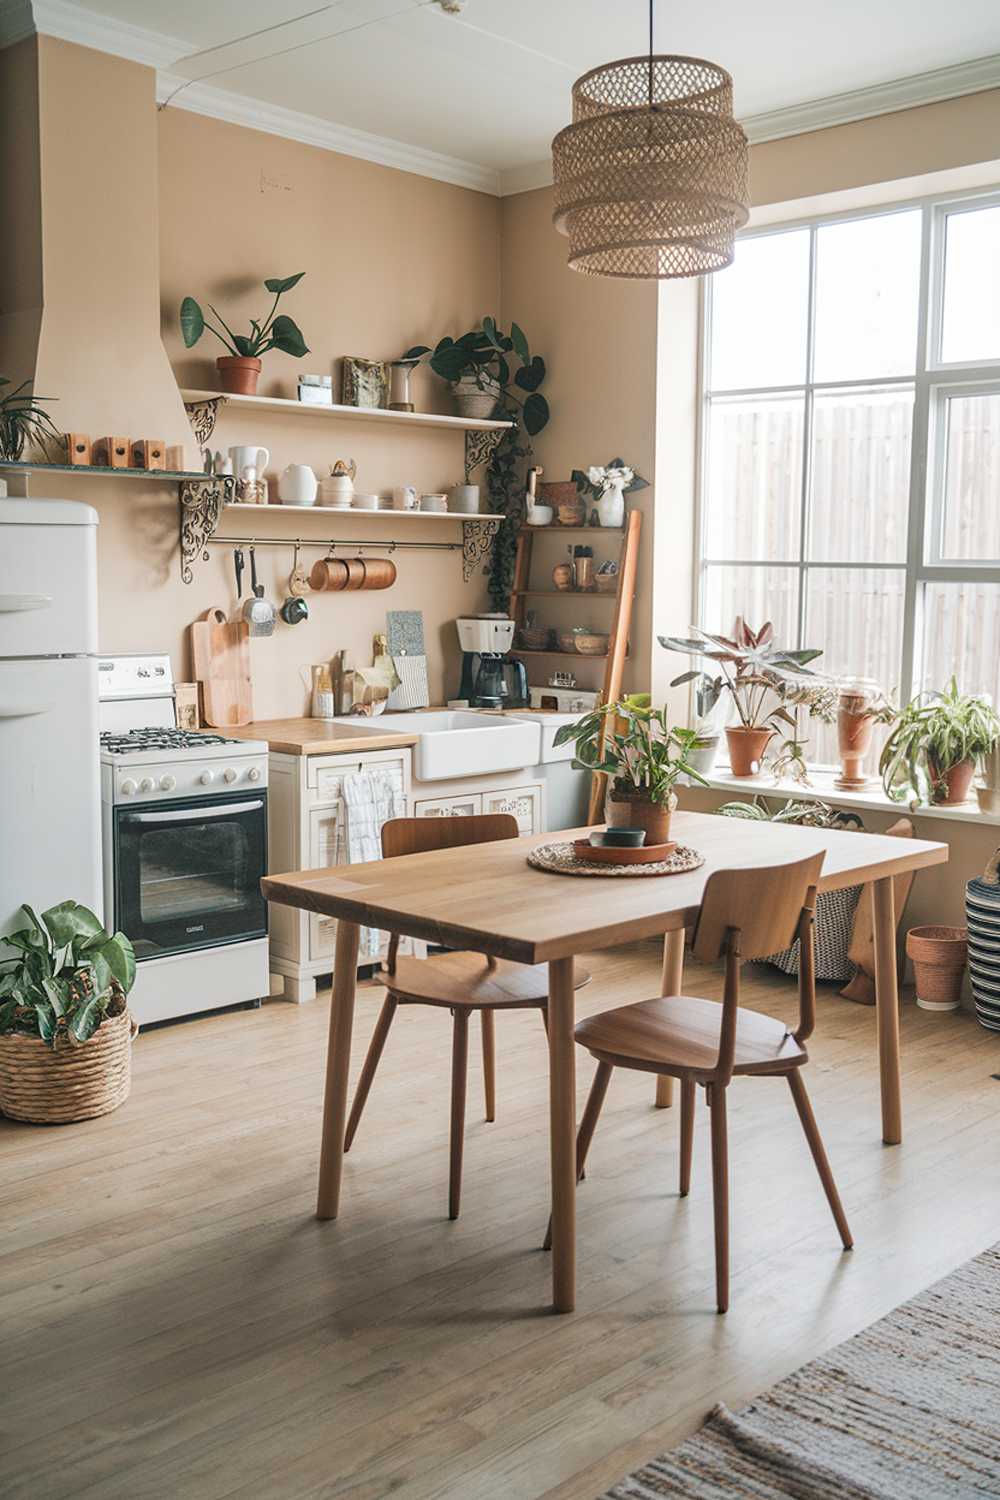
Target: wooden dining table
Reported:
point(487, 899)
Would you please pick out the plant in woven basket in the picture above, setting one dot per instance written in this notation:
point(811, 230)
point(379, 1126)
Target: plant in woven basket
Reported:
point(932, 751)
point(66, 976)
point(23, 422)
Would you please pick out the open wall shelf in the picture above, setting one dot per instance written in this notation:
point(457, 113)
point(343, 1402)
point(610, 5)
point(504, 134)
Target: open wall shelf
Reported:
point(374, 414)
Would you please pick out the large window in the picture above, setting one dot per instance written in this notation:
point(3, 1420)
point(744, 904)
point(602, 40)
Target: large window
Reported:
point(851, 444)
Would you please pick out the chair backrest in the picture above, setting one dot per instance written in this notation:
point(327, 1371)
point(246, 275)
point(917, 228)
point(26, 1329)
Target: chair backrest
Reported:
point(763, 905)
point(419, 835)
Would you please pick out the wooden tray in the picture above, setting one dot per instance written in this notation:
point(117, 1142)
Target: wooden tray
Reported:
point(618, 854)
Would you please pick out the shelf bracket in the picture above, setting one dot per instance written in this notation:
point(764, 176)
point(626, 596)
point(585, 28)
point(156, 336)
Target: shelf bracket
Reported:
point(203, 416)
point(202, 501)
point(480, 448)
point(477, 540)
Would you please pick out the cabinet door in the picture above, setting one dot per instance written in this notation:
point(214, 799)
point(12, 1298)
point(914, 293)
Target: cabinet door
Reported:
point(523, 802)
point(326, 848)
point(449, 807)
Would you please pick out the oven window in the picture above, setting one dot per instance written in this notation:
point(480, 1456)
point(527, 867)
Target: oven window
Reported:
point(189, 877)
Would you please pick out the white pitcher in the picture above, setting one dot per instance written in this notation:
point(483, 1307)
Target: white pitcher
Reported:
point(249, 456)
point(298, 485)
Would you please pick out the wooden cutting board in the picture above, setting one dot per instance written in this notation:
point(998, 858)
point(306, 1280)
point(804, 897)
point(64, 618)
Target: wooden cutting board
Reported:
point(220, 651)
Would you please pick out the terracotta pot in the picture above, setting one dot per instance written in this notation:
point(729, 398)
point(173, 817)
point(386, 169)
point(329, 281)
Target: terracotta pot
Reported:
point(623, 811)
point(746, 749)
point(950, 787)
point(854, 738)
point(938, 955)
point(238, 375)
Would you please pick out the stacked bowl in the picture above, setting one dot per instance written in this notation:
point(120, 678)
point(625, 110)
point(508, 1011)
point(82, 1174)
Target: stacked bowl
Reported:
point(982, 909)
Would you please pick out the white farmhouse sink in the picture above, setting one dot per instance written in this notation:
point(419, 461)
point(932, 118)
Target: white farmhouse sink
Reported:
point(457, 743)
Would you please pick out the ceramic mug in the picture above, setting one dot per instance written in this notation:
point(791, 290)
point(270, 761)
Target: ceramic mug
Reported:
point(405, 497)
point(463, 499)
point(298, 485)
point(249, 456)
point(329, 575)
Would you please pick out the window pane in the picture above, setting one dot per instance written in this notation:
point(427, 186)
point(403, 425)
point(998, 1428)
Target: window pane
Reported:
point(860, 475)
point(867, 291)
point(971, 516)
point(962, 637)
point(971, 328)
point(758, 594)
point(754, 489)
point(856, 616)
point(759, 311)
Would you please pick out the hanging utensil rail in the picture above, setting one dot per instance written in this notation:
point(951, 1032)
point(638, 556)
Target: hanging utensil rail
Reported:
point(352, 543)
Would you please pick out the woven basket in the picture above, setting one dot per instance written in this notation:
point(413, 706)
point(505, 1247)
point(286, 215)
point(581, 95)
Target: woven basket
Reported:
point(73, 1083)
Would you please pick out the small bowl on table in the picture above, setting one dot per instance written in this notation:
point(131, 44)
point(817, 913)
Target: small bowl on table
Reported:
point(618, 838)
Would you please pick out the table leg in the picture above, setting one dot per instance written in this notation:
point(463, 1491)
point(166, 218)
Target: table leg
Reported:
point(562, 1129)
point(887, 1010)
point(338, 1059)
point(673, 977)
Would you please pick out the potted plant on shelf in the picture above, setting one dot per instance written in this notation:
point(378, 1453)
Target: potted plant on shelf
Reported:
point(23, 422)
point(756, 673)
point(478, 367)
point(643, 757)
point(932, 751)
point(240, 370)
point(65, 1031)
point(608, 485)
point(860, 706)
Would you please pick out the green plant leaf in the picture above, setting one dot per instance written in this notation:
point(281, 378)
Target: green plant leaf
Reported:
point(279, 284)
point(69, 921)
point(86, 1020)
point(285, 336)
point(530, 376)
point(8, 1012)
point(503, 370)
point(46, 1021)
point(57, 991)
point(245, 346)
point(536, 413)
point(417, 351)
point(520, 343)
point(490, 329)
point(450, 362)
point(192, 322)
point(119, 956)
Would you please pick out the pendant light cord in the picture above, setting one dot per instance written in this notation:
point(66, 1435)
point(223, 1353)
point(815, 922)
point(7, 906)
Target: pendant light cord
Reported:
point(650, 54)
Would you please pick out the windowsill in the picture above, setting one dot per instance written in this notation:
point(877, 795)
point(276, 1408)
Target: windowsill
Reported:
point(871, 799)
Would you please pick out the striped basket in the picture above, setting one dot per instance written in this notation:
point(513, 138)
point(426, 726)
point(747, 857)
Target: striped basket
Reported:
point(73, 1083)
point(982, 915)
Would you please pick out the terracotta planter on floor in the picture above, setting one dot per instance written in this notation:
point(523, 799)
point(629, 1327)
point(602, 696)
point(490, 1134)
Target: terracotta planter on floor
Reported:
point(951, 787)
point(238, 375)
point(622, 811)
point(938, 955)
point(746, 749)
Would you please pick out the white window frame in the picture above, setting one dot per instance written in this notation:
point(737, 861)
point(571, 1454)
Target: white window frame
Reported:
point(933, 381)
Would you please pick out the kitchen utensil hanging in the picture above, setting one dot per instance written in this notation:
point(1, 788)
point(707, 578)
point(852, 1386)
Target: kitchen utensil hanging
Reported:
point(332, 574)
point(258, 612)
point(295, 609)
point(298, 582)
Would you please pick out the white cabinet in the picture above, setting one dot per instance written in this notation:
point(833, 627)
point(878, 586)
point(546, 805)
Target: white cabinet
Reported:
point(523, 802)
point(449, 807)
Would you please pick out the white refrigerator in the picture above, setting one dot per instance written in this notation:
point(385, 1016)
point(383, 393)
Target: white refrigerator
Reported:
point(50, 793)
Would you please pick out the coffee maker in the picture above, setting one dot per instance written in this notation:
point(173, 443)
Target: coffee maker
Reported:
point(490, 678)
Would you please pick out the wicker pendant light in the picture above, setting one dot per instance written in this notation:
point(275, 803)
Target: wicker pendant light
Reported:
point(651, 177)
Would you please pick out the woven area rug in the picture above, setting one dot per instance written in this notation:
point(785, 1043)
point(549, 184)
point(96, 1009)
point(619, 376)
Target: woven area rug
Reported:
point(907, 1410)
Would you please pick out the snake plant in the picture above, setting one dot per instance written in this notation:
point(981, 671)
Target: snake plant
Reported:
point(934, 733)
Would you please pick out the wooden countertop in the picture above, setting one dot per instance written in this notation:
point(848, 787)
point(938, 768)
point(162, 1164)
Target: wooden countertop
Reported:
point(318, 736)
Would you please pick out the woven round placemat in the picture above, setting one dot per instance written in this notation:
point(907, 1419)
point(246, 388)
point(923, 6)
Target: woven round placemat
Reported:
point(562, 859)
point(72, 1083)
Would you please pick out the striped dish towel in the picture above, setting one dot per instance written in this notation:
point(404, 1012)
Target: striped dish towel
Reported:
point(371, 798)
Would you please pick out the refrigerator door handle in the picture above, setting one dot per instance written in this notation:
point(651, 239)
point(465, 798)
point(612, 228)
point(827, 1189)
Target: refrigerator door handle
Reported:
point(24, 710)
point(11, 604)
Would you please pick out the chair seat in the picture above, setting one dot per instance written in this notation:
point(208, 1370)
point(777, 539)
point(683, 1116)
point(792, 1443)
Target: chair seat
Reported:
point(679, 1034)
point(466, 979)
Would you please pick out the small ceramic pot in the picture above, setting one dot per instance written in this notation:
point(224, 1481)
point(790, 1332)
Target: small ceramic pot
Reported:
point(238, 375)
point(476, 397)
point(623, 811)
point(539, 515)
point(463, 499)
point(746, 749)
point(298, 485)
point(951, 787)
point(938, 955)
point(701, 756)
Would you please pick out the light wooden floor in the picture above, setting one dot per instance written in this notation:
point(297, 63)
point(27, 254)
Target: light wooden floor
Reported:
point(176, 1323)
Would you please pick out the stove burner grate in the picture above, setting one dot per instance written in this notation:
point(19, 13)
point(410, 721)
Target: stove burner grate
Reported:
point(161, 739)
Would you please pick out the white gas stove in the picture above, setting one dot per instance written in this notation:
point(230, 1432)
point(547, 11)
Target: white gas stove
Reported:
point(184, 818)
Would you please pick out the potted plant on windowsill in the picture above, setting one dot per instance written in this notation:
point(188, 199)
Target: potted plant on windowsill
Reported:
point(240, 370)
point(931, 753)
point(643, 758)
point(756, 674)
point(65, 1032)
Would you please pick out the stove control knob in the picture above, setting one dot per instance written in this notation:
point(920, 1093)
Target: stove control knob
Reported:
point(167, 783)
point(229, 775)
point(128, 787)
point(206, 778)
point(254, 773)
point(147, 784)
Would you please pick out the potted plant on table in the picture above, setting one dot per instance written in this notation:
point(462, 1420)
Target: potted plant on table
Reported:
point(643, 757)
point(931, 753)
point(240, 370)
point(65, 1031)
point(756, 673)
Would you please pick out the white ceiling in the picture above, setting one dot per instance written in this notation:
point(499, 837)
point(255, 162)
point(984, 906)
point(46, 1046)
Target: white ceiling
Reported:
point(487, 89)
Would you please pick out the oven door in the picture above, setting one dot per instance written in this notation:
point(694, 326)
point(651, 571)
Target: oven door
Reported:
point(187, 875)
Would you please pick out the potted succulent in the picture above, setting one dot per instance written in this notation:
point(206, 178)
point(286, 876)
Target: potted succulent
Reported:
point(65, 1032)
point(23, 421)
point(240, 370)
point(643, 758)
point(756, 673)
point(608, 485)
point(932, 751)
point(478, 367)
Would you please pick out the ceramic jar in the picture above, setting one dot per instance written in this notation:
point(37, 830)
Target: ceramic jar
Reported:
point(611, 505)
point(298, 485)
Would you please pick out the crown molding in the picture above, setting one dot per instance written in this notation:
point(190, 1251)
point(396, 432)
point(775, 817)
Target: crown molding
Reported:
point(273, 119)
point(74, 23)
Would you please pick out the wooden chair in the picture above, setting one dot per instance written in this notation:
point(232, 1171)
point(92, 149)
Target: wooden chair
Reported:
point(745, 914)
point(461, 982)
